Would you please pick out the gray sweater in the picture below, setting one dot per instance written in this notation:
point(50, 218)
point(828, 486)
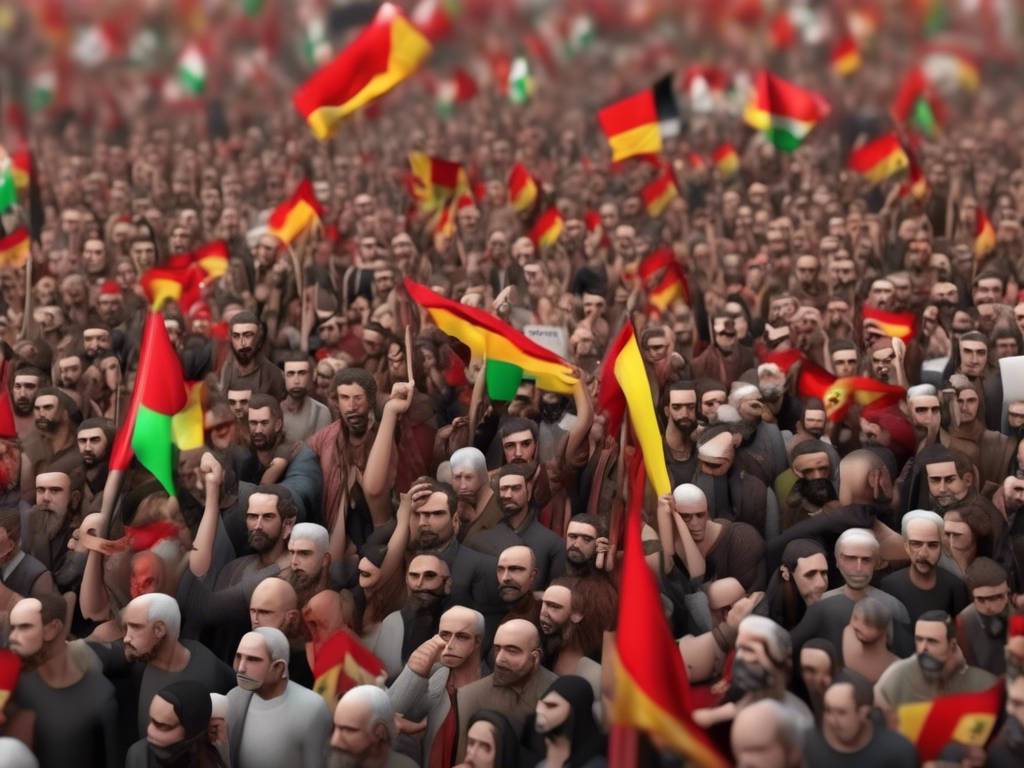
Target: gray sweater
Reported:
point(293, 729)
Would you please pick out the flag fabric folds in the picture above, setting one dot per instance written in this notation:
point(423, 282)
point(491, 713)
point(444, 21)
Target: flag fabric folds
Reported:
point(632, 377)
point(984, 234)
point(15, 249)
point(342, 663)
point(10, 669)
point(547, 229)
point(663, 279)
point(726, 159)
point(212, 258)
point(899, 325)
point(180, 284)
point(295, 215)
point(845, 57)
point(784, 112)
point(915, 104)
point(187, 425)
point(495, 341)
point(610, 399)
point(637, 124)
point(522, 188)
point(966, 718)
point(159, 393)
point(434, 182)
point(879, 159)
point(660, 192)
point(916, 184)
point(384, 54)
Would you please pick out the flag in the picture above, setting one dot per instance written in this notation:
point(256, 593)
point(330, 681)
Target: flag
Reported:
point(848, 391)
point(660, 192)
point(637, 124)
point(916, 105)
point(142, 537)
point(581, 34)
point(178, 284)
point(192, 70)
point(652, 690)
point(916, 184)
point(663, 279)
point(15, 249)
point(845, 57)
point(436, 18)
point(384, 54)
point(510, 352)
point(212, 258)
point(610, 399)
point(188, 425)
point(984, 233)
point(342, 663)
point(966, 718)
point(42, 87)
point(632, 377)
point(457, 89)
point(435, 182)
point(783, 111)
point(96, 44)
point(727, 160)
point(547, 229)
point(948, 67)
point(520, 81)
point(295, 215)
point(21, 168)
point(899, 325)
point(522, 189)
point(879, 159)
point(159, 393)
point(782, 31)
point(10, 668)
point(8, 189)
point(8, 427)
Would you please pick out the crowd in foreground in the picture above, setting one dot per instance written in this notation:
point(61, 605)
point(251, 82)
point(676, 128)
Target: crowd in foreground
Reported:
point(827, 578)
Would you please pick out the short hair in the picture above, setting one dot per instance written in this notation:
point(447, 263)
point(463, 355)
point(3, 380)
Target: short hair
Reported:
point(245, 317)
point(53, 608)
point(260, 400)
point(741, 391)
point(874, 612)
point(983, 572)
point(921, 514)
point(789, 725)
point(99, 423)
point(30, 370)
point(437, 486)
point(777, 641)
point(277, 644)
point(312, 532)
point(514, 424)
point(939, 454)
point(10, 521)
point(361, 378)
point(856, 534)
point(677, 386)
point(379, 704)
point(863, 693)
point(594, 521)
point(524, 471)
point(287, 509)
point(469, 457)
point(807, 447)
point(941, 617)
point(294, 356)
point(479, 626)
point(841, 345)
point(163, 608)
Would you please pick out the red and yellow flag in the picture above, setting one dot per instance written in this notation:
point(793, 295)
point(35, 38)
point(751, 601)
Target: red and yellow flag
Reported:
point(212, 258)
point(434, 182)
point(848, 391)
point(295, 215)
point(21, 168)
point(548, 228)
point(845, 57)
point(522, 189)
point(342, 663)
point(663, 279)
point(916, 184)
point(637, 124)
point(984, 234)
point(15, 249)
point(899, 325)
point(727, 160)
point(879, 159)
point(10, 668)
point(660, 192)
point(386, 52)
point(966, 718)
point(180, 284)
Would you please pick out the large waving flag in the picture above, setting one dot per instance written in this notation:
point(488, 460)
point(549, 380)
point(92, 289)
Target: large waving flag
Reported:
point(296, 214)
point(386, 52)
point(784, 112)
point(917, 105)
point(509, 354)
point(966, 718)
point(342, 663)
point(158, 395)
point(899, 325)
point(879, 159)
point(637, 124)
point(864, 391)
point(547, 228)
point(10, 669)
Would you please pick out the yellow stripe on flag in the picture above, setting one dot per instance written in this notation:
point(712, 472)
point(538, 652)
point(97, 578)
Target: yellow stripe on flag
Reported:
point(642, 140)
point(632, 377)
point(164, 290)
point(301, 216)
point(912, 718)
point(187, 426)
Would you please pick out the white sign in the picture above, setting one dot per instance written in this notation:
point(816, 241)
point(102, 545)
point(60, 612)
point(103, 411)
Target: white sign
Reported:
point(1012, 371)
point(551, 337)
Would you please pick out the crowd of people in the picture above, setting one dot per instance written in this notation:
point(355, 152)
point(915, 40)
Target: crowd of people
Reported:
point(821, 572)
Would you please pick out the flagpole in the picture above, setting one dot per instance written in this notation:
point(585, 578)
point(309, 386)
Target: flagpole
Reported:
point(615, 524)
point(28, 293)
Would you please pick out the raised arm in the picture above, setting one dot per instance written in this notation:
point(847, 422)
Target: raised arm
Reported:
point(201, 556)
point(377, 463)
point(584, 419)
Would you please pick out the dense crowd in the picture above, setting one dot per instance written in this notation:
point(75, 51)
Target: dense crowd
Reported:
point(826, 572)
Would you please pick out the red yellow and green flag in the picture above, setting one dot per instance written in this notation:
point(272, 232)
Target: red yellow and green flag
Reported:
point(879, 159)
point(984, 233)
point(947, 66)
point(548, 228)
point(784, 112)
point(158, 395)
point(296, 214)
point(726, 160)
point(508, 353)
point(15, 249)
point(384, 54)
point(522, 188)
point(915, 104)
point(966, 718)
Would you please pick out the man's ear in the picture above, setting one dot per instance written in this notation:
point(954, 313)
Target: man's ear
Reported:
point(448, 585)
point(784, 573)
point(576, 617)
point(286, 527)
point(159, 629)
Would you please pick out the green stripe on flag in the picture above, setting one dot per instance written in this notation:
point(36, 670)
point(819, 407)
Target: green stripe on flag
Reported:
point(151, 441)
point(8, 192)
point(503, 380)
point(924, 118)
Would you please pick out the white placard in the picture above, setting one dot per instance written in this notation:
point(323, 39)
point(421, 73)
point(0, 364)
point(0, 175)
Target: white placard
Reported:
point(551, 337)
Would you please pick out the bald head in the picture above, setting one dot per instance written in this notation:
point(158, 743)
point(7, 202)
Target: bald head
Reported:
point(462, 630)
point(864, 479)
point(323, 614)
point(517, 571)
point(274, 604)
point(148, 571)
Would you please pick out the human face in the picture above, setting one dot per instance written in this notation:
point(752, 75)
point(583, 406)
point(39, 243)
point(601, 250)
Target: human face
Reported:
point(306, 559)
point(24, 391)
point(991, 601)
point(238, 399)
point(930, 637)
point(252, 664)
point(758, 748)
point(959, 536)
point(141, 636)
point(354, 406)
point(551, 712)
point(263, 428)
point(555, 609)
point(373, 343)
point(807, 270)
point(95, 340)
point(881, 294)
point(924, 411)
point(814, 423)
point(459, 632)
point(481, 746)
point(267, 610)
point(516, 573)
point(513, 495)
point(845, 362)
point(434, 522)
point(516, 655)
point(580, 543)
point(656, 348)
point(944, 483)
point(1007, 346)
point(856, 562)
point(988, 290)
point(967, 400)
point(69, 369)
point(812, 466)
point(164, 729)
point(696, 521)
point(1015, 698)
point(973, 357)
point(811, 577)
point(725, 333)
point(843, 721)
point(593, 305)
point(682, 409)
point(866, 634)
point(26, 635)
point(882, 361)
point(94, 256)
point(244, 341)
point(467, 482)
point(427, 580)
point(53, 492)
point(816, 669)
point(48, 413)
point(923, 546)
point(296, 379)
point(519, 447)
point(352, 739)
point(263, 522)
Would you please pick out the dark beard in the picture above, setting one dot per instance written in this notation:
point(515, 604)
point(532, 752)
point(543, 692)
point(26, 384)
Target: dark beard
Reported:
point(261, 542)
point(22, 407)
point(46, 425)
point(818, 491)
point(297, 393)
point(357, 423)
point(339, 759)
point(424, 600)
point(508, 511)
point(244, 356)
point(144, 658)
point(580, 569)
point(685, 426)
point(302, 582)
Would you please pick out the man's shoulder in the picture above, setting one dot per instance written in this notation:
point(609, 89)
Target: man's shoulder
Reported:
point(303, 696)
point(323, 436)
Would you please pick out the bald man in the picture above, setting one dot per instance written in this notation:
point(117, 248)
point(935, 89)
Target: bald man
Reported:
point(441, 666)
point(517, 574)
point(274, 603)
point(516, 684)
